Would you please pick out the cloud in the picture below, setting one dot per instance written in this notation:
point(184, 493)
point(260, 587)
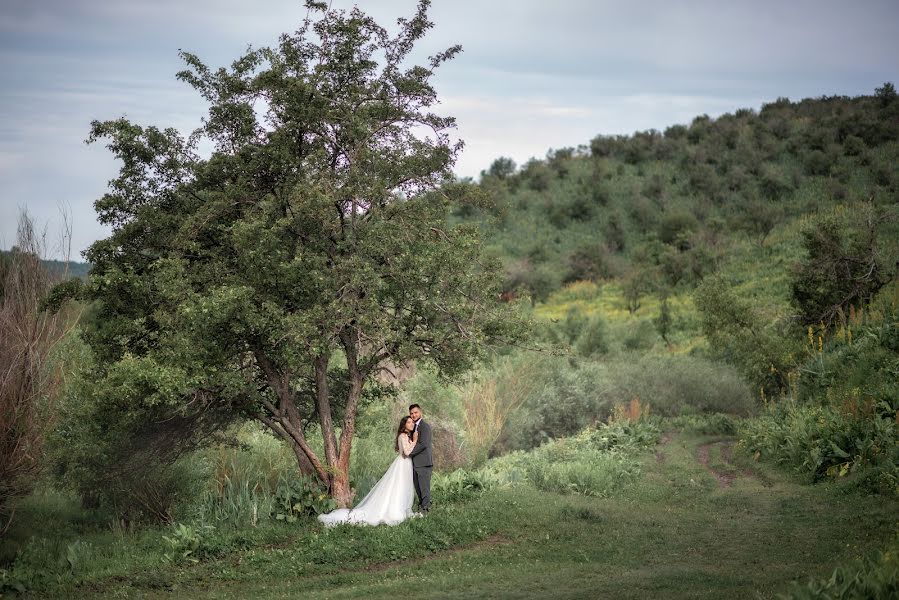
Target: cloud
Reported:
point(532, 76)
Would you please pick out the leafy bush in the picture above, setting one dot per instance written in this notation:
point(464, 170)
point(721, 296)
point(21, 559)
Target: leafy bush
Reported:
point(713, 424)
point(463, 484)
point(596, 462)
point(846, 265)
point(588, 473)
point(187, 543)
point(593, 340)
point(641, 337)
point(573, 396)
point(296, 497)
point(741, 333)
point(823, 442)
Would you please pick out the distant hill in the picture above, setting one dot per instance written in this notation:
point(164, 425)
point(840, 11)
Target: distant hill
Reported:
point(661, 210)
point(58, 267)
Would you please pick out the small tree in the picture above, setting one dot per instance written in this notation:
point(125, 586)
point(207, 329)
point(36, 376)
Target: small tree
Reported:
point(886, 94)
point(743, 335)
point(845, 266)
point(501, 168)
point(276, 278)
point(663, 321)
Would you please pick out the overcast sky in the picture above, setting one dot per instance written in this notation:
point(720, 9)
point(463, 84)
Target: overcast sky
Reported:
point(533, 75)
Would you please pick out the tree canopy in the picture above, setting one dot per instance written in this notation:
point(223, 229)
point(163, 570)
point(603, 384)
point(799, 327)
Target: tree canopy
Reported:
point(275, 278)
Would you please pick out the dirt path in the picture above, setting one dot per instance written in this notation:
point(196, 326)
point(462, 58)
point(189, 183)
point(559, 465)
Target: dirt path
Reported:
point(724, 477)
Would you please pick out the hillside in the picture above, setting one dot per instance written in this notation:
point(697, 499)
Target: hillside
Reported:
point(661, 210)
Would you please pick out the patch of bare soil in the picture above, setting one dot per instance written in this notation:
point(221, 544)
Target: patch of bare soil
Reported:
point(724, 478)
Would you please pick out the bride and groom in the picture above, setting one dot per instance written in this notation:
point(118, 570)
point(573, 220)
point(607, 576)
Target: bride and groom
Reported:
point(390, 500)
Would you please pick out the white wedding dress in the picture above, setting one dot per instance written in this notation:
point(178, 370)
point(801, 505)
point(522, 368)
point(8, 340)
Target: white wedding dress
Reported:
point(389, 502)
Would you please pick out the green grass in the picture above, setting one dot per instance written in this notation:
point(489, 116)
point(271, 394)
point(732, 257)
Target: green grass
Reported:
point(675, 532)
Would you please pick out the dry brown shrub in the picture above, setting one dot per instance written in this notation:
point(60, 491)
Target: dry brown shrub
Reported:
point(28, 382)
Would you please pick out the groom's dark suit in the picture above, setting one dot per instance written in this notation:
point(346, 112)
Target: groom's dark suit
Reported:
point(422, 465)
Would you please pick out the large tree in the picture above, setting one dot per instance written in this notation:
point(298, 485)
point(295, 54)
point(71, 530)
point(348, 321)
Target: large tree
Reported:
point(275, 278)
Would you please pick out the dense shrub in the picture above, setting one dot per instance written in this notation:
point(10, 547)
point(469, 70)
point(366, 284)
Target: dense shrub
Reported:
point(740, 333)
point(589, 262)
point(826, 442)
point(845, 265)
point(676, 224)
point(593, 340)
point(706, 424)
point(596, 462)
point(574, 396)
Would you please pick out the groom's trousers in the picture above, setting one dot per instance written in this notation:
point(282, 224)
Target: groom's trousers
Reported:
point(421, 477)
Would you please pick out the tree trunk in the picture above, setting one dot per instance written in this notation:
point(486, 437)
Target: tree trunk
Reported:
point(306, 467)
point(340, 479)
point(340, 489)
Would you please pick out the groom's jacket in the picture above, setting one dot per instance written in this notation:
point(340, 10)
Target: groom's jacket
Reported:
point(421, 454)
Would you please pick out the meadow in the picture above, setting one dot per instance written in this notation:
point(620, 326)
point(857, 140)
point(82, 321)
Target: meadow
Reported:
point(704, 405)
point(628, 510)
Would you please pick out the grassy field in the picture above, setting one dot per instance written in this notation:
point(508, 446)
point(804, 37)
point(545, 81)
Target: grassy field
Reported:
point(701, 521)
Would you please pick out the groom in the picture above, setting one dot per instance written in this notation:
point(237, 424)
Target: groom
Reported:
point(422, 463)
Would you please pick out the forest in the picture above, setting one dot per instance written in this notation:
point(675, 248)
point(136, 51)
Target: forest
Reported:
point(657, 365)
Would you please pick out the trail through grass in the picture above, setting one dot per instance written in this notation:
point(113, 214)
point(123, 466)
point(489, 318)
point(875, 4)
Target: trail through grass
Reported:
point(700, 523)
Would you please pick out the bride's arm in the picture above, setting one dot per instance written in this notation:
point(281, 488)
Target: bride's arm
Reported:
point(408, 444)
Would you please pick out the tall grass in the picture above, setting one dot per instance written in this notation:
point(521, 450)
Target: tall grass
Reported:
point(489, 402)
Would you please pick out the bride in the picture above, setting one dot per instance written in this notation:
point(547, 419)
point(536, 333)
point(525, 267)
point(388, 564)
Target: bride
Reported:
point(390, 500)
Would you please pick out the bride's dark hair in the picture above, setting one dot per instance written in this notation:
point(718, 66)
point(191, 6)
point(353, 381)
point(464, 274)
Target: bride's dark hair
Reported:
point(402, 429)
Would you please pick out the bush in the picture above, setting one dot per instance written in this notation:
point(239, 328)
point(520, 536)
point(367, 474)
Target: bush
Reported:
point(571, 397)
point(672, 385)
point(297, 497)
point(845, 265)
point(824, 442)
point(596, 462)
point(594, 338)
point(713, 424)
point(463, 484)
point(677, 224)
point(741, 334)
point(588, 473)
point(641, 337)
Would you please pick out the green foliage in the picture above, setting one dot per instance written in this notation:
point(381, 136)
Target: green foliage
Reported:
point(272, 279)
point(739, 333)
point(461, 484)
point(640, 338)
point(886, 94)
point(298, 497)
point(572, 396)
point(594, 339)
point(187, 543)
point(676, 225)
point(857, 360)
point(663, 322)
point(705, 424)
point(846, 265)
point(574, 324)
point(501, 168)
point(596, 462)
point(826, 442)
